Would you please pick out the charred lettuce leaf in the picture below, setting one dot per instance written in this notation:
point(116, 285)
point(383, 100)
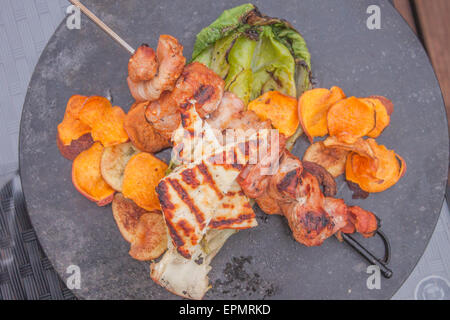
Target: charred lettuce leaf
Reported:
point(255, 53)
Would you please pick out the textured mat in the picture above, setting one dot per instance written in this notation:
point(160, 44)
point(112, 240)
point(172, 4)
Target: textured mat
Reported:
point(25, 272)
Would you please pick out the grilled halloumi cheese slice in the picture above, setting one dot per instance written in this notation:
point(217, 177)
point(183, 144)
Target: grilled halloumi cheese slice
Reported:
point(234, 211)
point(188, 278)
point(192, 195)
point(203, 193)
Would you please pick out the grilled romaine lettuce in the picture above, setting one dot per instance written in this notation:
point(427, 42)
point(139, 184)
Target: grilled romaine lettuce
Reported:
point(255, 53)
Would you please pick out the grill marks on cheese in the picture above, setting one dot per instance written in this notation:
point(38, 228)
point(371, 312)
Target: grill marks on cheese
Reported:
point(203, 195)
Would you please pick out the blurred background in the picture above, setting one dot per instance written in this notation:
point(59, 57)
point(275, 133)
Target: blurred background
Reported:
point(25, 28)
point(430, 20)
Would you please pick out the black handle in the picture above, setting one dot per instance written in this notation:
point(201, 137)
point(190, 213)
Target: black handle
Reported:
point(381, 263)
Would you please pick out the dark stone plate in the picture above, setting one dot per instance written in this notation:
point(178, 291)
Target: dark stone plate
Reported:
point(264, 262)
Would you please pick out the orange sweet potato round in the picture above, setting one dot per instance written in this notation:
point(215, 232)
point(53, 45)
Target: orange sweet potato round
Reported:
point(77, 146)
point(150, 239)
point(87, 178)
point(106, 122)
point(72, 128)
point(375, 174)
point(382, 117)
point(141, 132)
point(350, 119)
point(281, 109)
point(313, 108)
point(360, 146)
point(142, 175)
point(386, 103)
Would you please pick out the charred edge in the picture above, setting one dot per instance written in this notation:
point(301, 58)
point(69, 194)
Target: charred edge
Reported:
point(252, 34)
point(276, 79)
point(227, 222)
point(163, 195)
point(174, 235)
point(185, 106)
point(184, 120)
point(256, 18)
point(188, 176)
point(237, 166)
point(316, 221)
point(186, 227)
point(203, 94)
point(187, 200)
point(229, 49)
point(288, 180)
point(204, 171)
point(324, 178)
point(184, 253)
point(234, 162)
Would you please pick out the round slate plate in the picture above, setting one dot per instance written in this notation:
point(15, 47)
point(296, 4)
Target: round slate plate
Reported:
point(264, 262)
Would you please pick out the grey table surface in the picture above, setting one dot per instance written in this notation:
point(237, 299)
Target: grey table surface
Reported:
point(26, 26)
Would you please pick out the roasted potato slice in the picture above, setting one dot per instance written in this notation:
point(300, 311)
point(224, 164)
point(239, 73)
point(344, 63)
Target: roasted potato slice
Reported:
point(126, 214)
point(114, 161)
point(332, 159)
point(87, 178)
point(150, 239)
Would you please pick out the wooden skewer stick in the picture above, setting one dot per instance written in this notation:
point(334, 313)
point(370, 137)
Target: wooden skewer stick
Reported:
point(103, 26)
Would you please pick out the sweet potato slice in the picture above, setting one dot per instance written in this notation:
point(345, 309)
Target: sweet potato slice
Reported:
point(360, 146)
point(350, 119)
point(332, 159)
point(106, 122)
point(382, 117)
point(114, 160)
point(126, 214)
point(73, 135)
point(281, 109)
point(150, 239)
point(375, 174)
point(77, 146)
point(313, 108)
point(72, 128)
point(386, 103)
point(141, 132)
point(87, 178)
point(142, 175)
